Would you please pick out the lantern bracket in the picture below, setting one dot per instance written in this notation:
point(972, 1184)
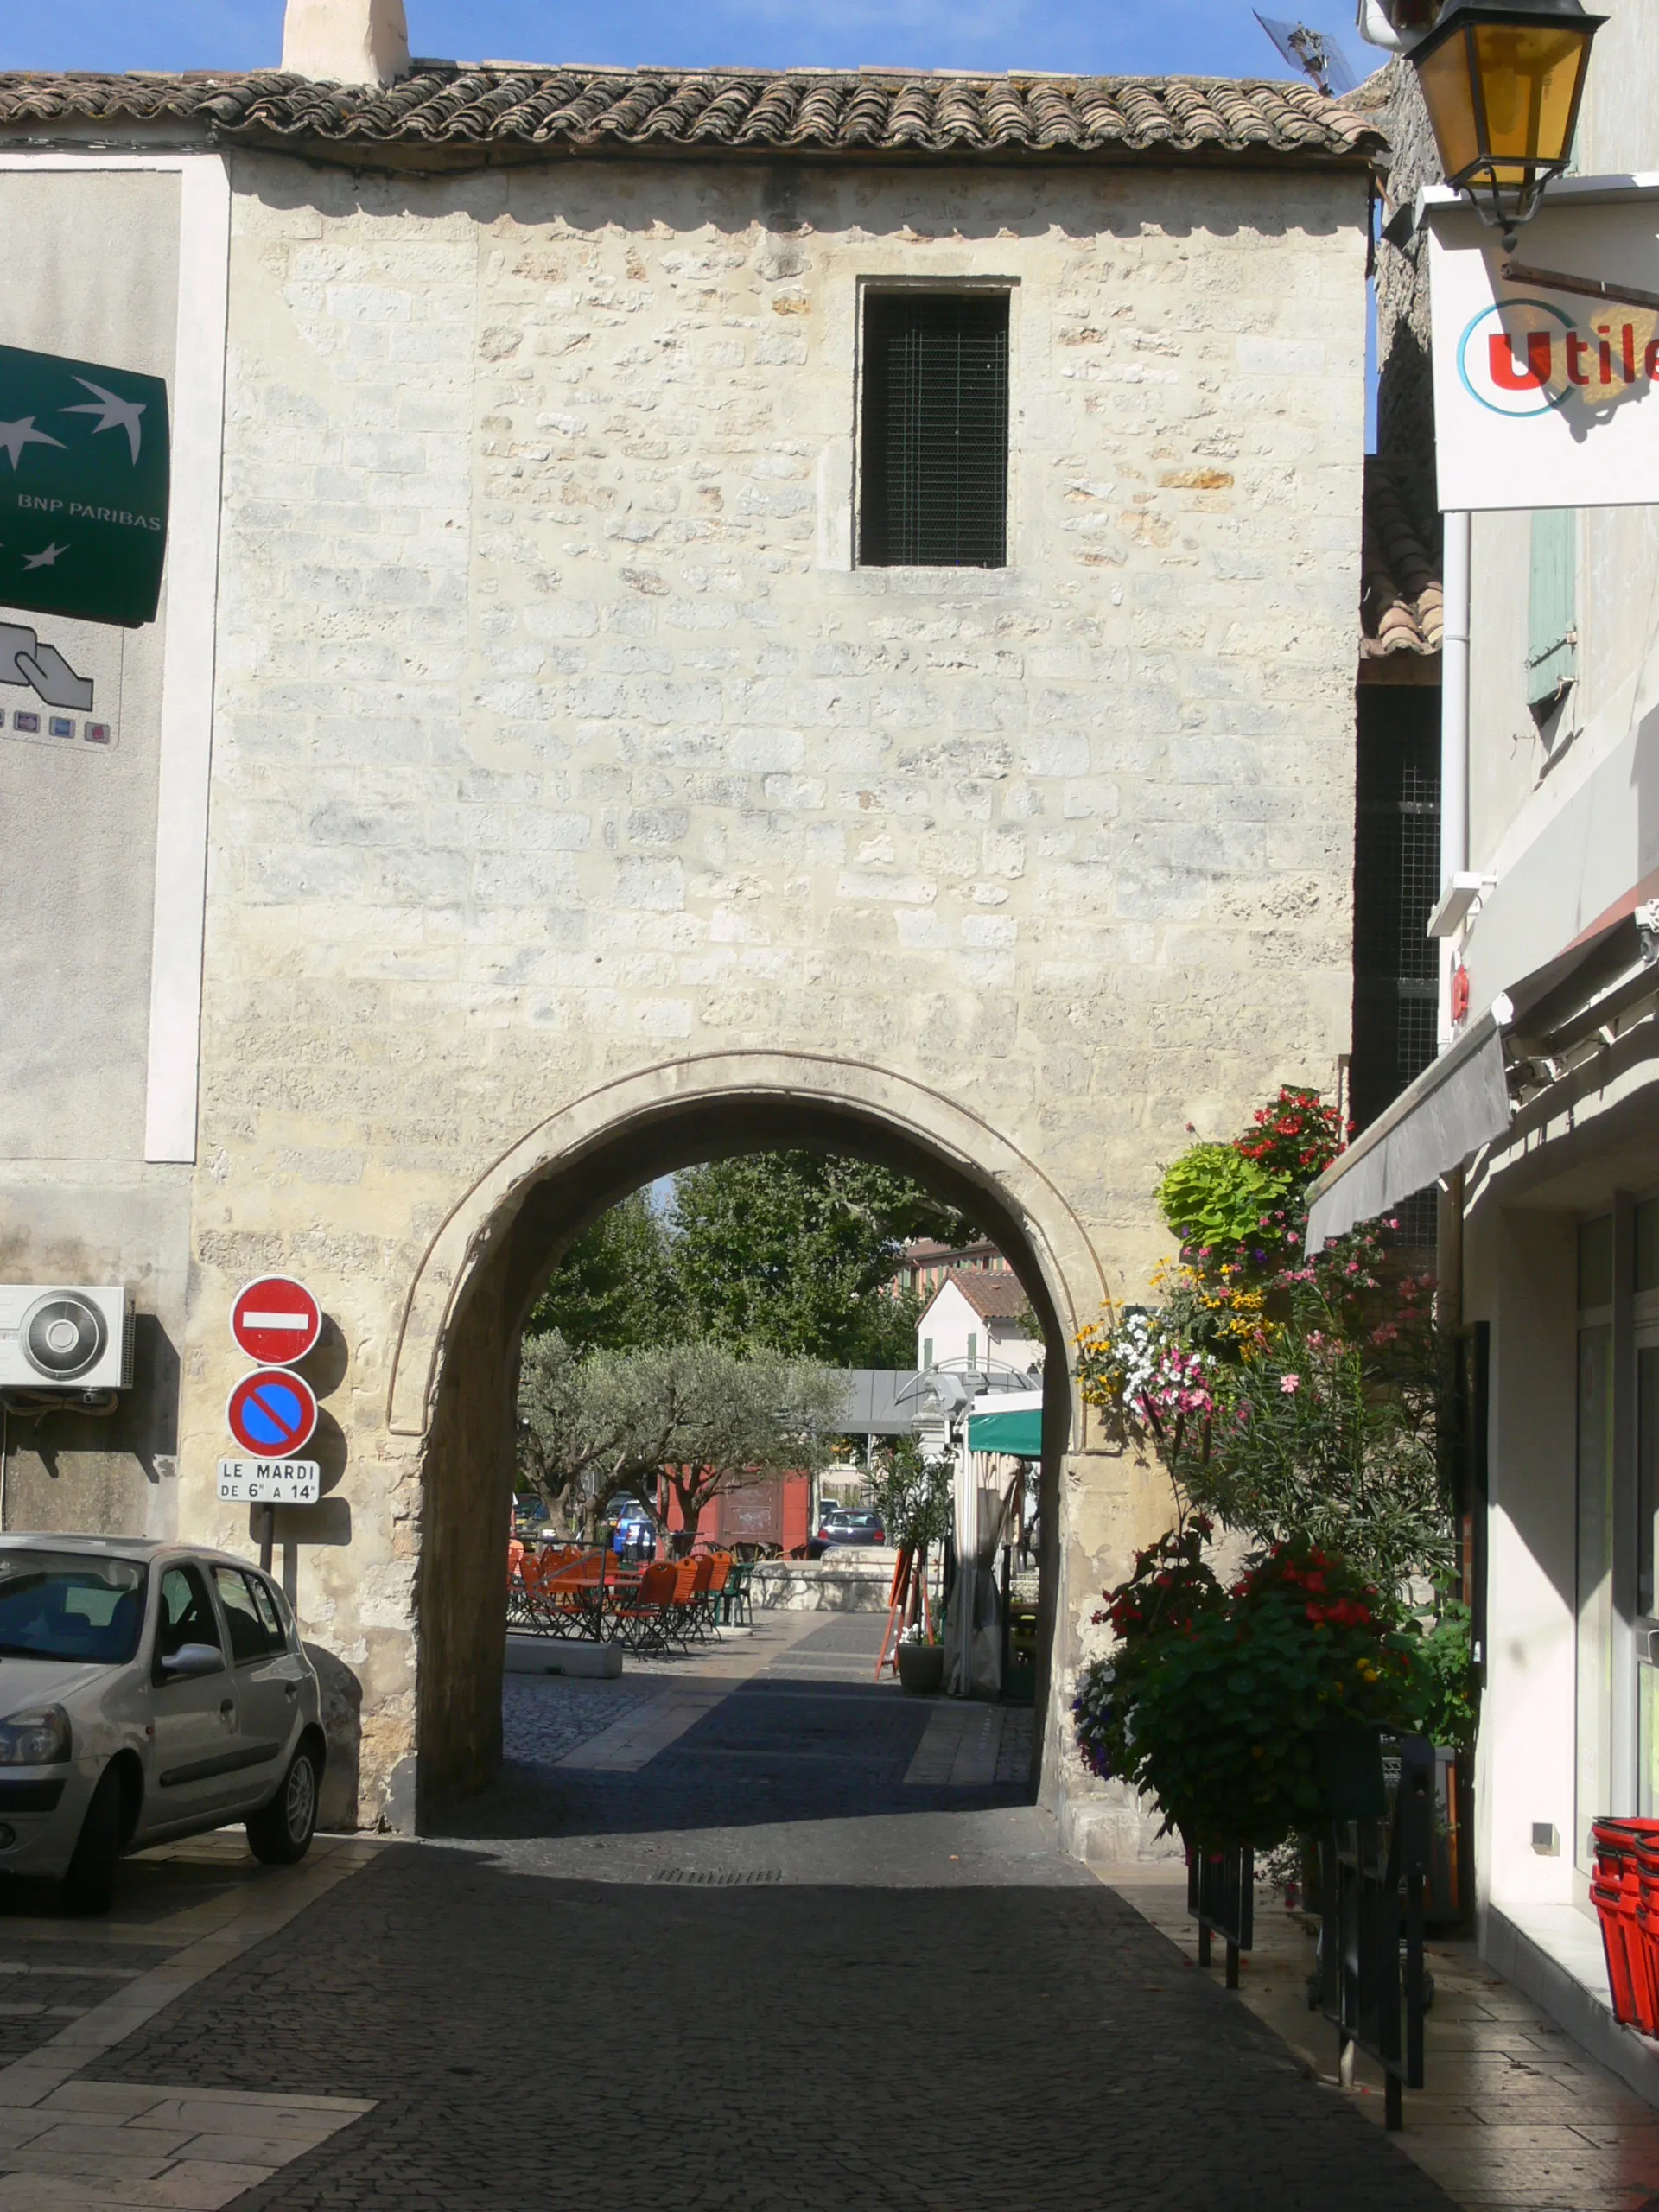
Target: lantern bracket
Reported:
point(1593, 288)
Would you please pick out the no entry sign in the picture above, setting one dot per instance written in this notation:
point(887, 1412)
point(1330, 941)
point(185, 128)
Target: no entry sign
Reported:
point(275, 1320)
point(271, 1413)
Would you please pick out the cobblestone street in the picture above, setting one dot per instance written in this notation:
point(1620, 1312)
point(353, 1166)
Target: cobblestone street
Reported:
point(748, 1932)
point(748, 1929)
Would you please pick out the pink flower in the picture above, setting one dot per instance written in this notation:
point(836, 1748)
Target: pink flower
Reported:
point(1289, 1384)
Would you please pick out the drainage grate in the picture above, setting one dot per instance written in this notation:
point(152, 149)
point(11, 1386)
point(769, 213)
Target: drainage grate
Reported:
point(730, 1877)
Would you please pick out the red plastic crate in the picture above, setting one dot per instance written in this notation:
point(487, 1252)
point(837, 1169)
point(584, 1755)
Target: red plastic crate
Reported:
point(1604, 1895)
point(1625, 1893)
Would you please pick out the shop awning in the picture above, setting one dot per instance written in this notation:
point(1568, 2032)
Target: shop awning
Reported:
point(1460, 1103)
point(1610, 972)
point(1019, 1432)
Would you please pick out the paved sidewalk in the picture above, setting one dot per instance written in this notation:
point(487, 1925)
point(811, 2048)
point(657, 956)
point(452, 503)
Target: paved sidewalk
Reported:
point(761, 1970)
point(1514, 2117)
point(184, 1912)
point(751, 1932)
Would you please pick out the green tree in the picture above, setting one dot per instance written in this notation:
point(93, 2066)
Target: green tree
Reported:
point(615, 1287)
point(795, 1251)
point(566, 1429)
point(708, 1415)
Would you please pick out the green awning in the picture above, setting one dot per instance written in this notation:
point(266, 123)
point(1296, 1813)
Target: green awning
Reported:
point(1020, 1434)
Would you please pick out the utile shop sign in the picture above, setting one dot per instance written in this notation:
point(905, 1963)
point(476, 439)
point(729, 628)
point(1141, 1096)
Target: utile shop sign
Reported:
point(1544, 397)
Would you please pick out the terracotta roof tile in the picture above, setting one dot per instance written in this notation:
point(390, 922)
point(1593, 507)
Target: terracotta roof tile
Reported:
point(490, 111)
point(1402, 604)
point(993, 1297)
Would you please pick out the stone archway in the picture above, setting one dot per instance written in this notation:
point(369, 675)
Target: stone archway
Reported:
point(454, 1365)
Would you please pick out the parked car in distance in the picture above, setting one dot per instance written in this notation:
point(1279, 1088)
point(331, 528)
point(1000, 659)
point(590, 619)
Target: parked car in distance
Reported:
point(852, 1524)
point(633, 1533)
point(146, 1692)
point(532, 1522)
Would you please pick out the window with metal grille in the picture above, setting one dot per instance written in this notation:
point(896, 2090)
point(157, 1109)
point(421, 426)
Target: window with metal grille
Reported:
point(1396, 881)
point(933, 475)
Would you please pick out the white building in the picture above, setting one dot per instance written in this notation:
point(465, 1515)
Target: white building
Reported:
point(973, 1318)
point(1540, 1116)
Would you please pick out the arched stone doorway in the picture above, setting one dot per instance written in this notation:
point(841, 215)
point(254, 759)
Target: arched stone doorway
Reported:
point(454, 1364)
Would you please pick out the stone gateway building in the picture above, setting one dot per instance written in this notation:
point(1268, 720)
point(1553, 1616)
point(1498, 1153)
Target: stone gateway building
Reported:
point(703, 611)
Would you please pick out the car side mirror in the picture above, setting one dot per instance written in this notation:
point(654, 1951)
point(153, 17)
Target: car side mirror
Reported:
point(191, 1660)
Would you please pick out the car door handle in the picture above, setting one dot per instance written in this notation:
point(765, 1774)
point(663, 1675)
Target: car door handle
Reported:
point(290, 1689)
point(228, 1706)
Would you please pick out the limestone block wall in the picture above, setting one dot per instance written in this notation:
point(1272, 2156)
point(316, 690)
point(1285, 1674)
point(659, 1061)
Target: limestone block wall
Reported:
point(558, 736)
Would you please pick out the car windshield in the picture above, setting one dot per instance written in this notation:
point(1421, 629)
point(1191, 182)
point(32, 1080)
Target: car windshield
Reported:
point(70, 1605)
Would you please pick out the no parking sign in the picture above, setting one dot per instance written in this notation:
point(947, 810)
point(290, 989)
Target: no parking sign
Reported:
point(271, 1413)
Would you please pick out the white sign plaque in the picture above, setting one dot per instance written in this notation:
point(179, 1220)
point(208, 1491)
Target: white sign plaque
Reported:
point(271, 1482)
point(1544, 395)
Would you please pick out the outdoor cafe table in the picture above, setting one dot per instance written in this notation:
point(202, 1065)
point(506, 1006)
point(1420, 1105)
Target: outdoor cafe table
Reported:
point(585, 1603)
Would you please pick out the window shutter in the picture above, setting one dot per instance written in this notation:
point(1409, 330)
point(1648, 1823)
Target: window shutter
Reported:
point(1396, 882)
point(1552, 605)
point(934, 464)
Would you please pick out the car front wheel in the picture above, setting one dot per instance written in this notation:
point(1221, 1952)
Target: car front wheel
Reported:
point(280, 1832)
point(89, 1878)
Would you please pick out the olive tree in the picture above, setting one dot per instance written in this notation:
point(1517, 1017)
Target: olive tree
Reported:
point(710, 1417)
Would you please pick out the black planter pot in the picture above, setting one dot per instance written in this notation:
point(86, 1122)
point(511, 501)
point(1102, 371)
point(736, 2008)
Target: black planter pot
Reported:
point(1349, 1765)
point(921, 1669)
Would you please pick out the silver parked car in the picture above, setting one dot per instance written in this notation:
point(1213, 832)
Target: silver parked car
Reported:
point(147, 1691)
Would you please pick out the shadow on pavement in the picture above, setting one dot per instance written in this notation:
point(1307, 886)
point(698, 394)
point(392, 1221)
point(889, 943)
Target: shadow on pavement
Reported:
point(778, 1748)
point(605, 2047)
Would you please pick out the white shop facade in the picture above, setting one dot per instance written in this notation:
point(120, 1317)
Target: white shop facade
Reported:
point(1539, 1121)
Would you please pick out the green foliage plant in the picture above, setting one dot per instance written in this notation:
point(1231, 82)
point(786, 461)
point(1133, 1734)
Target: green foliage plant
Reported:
point(1302, 1401)
point(1448, 1660)
point(1170, 1586)
point(1288, 1398)
point(912, 1494)
point(1215, 1708)
point(1217, 1200)
point(1242, 1205)
point(1328, 1429)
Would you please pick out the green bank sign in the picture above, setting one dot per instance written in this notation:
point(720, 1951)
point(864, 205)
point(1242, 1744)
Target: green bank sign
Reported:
point(83, 488)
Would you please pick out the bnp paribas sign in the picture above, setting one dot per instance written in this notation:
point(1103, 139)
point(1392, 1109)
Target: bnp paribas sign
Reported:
point(83, 488)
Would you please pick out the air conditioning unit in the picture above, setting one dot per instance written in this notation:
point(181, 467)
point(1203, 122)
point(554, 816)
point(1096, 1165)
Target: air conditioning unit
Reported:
point(64, 1337)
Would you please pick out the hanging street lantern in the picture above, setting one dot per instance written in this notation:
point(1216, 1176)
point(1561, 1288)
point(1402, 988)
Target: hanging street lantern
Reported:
point(1502, 83)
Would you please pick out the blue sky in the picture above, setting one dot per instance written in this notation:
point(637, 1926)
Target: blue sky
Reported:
point(1209, 37)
